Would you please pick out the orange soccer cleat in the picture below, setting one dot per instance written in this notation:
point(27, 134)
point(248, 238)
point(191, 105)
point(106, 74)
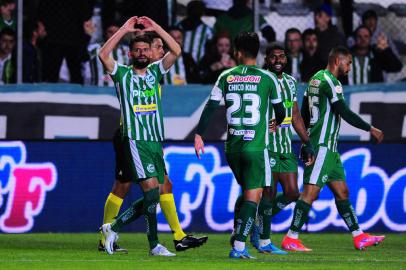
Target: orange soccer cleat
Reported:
point(292, 244)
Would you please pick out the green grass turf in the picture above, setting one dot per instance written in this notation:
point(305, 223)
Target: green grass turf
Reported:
point(79, 251)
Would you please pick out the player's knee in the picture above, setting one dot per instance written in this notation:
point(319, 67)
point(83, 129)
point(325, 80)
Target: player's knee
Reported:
point(151, 196)
point(292, 195)
point(343, 194)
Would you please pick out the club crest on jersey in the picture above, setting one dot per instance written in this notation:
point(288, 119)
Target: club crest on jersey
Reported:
point(150, 80)
point(315, 82)
point(339, 89)
point(272, 162)
point(242, 79)
point(151, 168)
point(291, 84)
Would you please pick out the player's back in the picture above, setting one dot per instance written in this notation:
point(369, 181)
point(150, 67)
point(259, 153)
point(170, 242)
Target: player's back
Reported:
point(323, 90)
point(247, 91)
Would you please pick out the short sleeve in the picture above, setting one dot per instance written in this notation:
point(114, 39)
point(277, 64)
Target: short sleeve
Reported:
point(275, 90)
point(158, 69)
point(118, 71)
point(334, 91)
point(216, 93)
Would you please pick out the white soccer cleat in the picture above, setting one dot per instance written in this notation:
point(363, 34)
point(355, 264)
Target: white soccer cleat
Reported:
point(160, 250)
point(110, 237)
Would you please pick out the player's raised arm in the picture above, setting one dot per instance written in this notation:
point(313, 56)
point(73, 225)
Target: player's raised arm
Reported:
point(174, 49)
point(108, 47)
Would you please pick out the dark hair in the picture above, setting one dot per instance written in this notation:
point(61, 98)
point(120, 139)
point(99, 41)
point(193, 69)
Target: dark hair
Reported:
point(274, 46)
point(195, 8)
point(308, 32)
point(6, 2)
point(370, 13)
point(361, 27)
point(335, 52)
point(247, 43)
point(7, 31)
point(152, 35)
point(29, 27)
point(174, 28)
point(291, 31)
point(140, 38)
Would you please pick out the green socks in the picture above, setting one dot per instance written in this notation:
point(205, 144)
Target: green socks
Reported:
point(347, 212)
point(264, 218)
point(245, 220)
point(144, 206)
point(300, 215)
point(128, 216)
point(237, 208)
point(151, 199)
point(279, 203)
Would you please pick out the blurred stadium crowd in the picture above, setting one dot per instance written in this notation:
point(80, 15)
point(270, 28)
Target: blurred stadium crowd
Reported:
point(61, 39)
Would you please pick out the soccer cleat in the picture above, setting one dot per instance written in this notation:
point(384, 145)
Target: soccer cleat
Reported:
point(254, 237)
point(378, 239)
point(110, 237)
point(160, 250)
point(235, 254)
point(291, 244)
point(189, 241)
point(271, 249)
point(364, 240)
point(116, 248)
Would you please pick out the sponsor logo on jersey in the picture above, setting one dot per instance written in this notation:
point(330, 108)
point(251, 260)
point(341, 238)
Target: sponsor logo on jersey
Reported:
point(248, 134)
point(339, 89)
point(145, 109)
point(313, 90)
point(151, 168)
point(287, 121)
point(243, 79)
point(288, 104)
point(146, 93)
point(315, 82)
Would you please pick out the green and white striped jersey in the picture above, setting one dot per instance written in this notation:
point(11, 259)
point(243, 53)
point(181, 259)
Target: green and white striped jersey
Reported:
point(140, 102)
point(324, 89)
point(176, 75)
point(281, 140)
point(6, 70)
point(360, 70)
point(247, 91)
point(195, 41)
point(95, 73)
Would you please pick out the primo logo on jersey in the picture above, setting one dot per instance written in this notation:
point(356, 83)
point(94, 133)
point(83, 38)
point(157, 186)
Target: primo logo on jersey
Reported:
point(377, 197)
point(26, 185)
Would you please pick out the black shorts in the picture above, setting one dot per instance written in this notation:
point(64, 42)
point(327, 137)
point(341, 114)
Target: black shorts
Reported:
point(122, 170)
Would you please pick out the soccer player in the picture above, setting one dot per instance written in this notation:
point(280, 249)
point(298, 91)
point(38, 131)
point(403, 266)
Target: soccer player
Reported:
point(283, 160)
point(142, 127)
point(247, 91)
point(322, 109)
point(122, 185)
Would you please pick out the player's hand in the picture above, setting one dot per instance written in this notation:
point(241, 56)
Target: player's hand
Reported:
point(148, 23)
point(199, 145)
point(307, 154)
point(128, 26)
point(272, 126)
point(377, 134)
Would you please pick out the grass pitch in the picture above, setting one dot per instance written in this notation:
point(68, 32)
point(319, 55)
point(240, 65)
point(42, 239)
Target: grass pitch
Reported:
point(79, 251)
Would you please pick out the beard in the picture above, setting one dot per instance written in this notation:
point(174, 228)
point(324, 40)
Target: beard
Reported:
point(140, 64)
